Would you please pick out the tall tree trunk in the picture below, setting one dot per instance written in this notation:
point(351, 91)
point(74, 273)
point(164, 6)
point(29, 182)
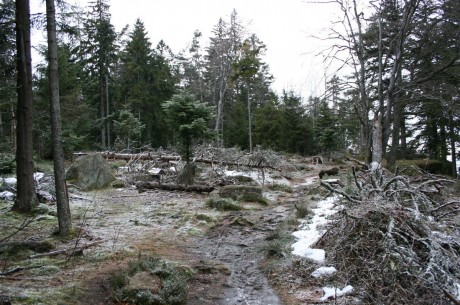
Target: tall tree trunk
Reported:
point(398, 121)
point(403, 136)
point(395, 135)
point(220, 112)
point(108, 110)
point(409, 10)
point(13, 131)
point(102, 109)
point(443, 151)
point(377, 146)
point(63, 210)
point(26, 196)
point(452, 144)
point(249, 122)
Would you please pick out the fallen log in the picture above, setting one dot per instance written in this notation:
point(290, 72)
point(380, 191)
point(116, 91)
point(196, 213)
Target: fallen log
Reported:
point(141, 186)
point(69, 250)
point(36, 246)
point(134, 157)
point(17, 269)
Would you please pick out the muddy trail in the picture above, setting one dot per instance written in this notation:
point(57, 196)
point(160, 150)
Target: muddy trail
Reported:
point(239, 244)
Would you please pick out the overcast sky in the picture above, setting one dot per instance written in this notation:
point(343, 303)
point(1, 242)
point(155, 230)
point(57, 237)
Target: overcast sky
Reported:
point(284, 26)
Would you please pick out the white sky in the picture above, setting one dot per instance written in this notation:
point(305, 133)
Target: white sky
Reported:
point(284, 26)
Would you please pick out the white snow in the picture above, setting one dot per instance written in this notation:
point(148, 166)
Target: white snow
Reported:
point(375, 166)
point(13, 181)
point(38, 176)
point(7, 195)
point(323, 271)
point(457, 293)
point(310, 180)
point(311, 232)
point(257, 176)
point(333, 292)
point(10, 181)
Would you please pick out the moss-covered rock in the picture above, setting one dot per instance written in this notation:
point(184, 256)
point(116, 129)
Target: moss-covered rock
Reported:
point(241, 192)
point(90, 172)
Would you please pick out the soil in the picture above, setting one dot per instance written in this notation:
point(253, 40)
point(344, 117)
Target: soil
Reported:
point(226, 249)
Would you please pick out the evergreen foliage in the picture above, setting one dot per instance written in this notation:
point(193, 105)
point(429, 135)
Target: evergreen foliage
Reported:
point(110, 79)
point(7, 75)
point(128, 130)
point(189, 119)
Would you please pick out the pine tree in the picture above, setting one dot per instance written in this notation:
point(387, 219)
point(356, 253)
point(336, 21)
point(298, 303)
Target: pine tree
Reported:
point(128, 130)
point(222, 54)
point(145, 82)
point(189, 119)
point(98, 52)
point(326, 130)
point(8, 76)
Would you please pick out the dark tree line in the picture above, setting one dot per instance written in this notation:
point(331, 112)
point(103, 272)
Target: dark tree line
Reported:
point(402, 96)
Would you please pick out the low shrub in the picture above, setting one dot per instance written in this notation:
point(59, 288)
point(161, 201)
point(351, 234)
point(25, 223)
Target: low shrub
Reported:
point(223, 204)
point(165, 283)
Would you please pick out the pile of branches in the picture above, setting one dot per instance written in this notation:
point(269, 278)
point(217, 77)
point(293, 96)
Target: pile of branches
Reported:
point(397, 238)
point(235, 157)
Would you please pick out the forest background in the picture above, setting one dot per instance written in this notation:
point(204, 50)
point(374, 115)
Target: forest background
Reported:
point(395, 95)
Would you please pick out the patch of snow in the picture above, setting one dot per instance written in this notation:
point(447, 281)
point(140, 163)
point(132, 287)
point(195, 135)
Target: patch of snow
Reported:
point(457, 293)
point(316, 255)
point(331, 180)
point(309, 180)
point(310, 233)
point(7, 196)
point(375, 166)
point(10, 181)
point(323, 271)
point(38, 176)
point(256, 176)
point(333, 292)
point(155, 171)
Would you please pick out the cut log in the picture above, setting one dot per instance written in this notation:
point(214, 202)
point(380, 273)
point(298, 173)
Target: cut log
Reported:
point(141, 186)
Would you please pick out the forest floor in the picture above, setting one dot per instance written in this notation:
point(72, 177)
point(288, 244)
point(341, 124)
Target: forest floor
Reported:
point(237, 257)
point(228, 249)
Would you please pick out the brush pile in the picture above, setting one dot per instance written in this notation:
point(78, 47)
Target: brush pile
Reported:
point(397, 238)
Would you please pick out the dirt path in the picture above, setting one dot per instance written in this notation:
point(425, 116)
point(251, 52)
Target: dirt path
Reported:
point(238, 243)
